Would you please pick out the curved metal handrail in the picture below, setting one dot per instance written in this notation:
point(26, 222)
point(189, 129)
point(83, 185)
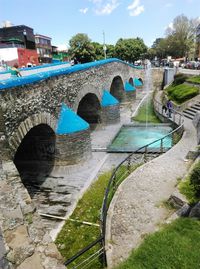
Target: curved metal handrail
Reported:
point(106, 203)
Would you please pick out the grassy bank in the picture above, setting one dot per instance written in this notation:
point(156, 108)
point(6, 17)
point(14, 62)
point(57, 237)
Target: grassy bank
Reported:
point(146, 113)
point(74, 236)
point(182, 92)
point(175, 246)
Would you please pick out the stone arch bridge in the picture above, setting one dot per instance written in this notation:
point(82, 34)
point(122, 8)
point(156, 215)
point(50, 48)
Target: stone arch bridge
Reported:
point(27, 103)
point(44, 119)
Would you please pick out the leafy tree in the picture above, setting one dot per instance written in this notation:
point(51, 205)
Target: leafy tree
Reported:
point(98, 50)
point(81, 48)
point(110, 51)
point(130, 49)
point(181, 36)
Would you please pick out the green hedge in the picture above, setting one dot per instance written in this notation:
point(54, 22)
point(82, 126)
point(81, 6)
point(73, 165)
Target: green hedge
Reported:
point(182, 92)
point(179, 79)
point(195, 79)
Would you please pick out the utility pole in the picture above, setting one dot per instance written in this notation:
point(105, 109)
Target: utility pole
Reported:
point(104, 45)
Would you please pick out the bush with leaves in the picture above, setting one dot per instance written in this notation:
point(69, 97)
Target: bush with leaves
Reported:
point(179, 79)
point(182, 92)
point(195, 179)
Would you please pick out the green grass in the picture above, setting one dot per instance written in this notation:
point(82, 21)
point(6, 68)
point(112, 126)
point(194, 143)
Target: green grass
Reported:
point(190, 186)
point(175, 246)
point(181, 93)
point(186, 188)
point(75, 236)
point(195, 79)
point(146, 113)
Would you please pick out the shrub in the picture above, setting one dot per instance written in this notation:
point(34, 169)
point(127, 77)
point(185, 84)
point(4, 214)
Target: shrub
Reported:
point(182, 93)
point(195, 179)
point(195, 79)
point(190, 187)
point(179, 79)
point(186, 188)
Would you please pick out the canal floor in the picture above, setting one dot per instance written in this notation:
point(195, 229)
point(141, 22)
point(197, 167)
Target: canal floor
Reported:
point(59, 193)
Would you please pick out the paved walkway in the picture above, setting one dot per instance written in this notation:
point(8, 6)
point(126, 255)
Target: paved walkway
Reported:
point(135, 209)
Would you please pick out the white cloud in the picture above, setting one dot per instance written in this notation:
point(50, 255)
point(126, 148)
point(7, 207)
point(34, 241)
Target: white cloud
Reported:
point(135, 8)
point(168, 5)
point(104, 7)
point(62, 47)
point(84, 10)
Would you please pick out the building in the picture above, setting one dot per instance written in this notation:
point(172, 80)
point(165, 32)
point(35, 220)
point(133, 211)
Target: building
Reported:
point(44, 48)
point(17, 45)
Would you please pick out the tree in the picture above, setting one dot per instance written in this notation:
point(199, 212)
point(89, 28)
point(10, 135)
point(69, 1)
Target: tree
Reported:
point(130, 49)
point(98, 50)
point(181, 36)
point(160, 48)
point(81, 48)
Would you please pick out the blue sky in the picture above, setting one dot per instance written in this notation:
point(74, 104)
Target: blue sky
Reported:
point(62, 19)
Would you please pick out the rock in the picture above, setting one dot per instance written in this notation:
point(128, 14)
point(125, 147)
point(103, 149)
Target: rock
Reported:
point(53, 252)
point(17, 237)
point(175, 202)
point(195, 211)
point(33, 262)
point(184, 211)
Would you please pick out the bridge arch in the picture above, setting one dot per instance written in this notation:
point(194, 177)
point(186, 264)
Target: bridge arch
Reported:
point(25, 126)
point(131, 81)
point(89, 108)
point(117, 88)
point(34, 158)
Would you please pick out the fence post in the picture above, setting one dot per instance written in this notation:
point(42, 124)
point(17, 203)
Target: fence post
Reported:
point(161, 145)
point(145, 155)
point(129, 165)
point(114, 182)
point(174, 115)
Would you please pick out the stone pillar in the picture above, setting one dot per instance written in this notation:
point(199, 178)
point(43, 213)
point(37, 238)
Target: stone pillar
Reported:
point(110, 114)
point(129, 92)
point(73, 148)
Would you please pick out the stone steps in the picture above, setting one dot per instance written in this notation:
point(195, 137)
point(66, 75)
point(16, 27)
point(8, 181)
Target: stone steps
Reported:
point(191, 111)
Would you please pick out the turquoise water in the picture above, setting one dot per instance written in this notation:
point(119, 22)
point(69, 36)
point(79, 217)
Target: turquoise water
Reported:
point(131, 138)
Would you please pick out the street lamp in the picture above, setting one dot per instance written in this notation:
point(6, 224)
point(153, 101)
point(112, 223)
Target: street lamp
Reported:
point(104, 45)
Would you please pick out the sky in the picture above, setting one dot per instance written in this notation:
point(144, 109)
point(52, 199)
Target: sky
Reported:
point(62, 19)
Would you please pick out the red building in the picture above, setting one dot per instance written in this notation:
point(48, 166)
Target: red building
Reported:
point(17, 45)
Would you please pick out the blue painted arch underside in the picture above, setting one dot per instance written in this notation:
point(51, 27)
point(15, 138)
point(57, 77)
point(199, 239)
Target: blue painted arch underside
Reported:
point(108, 99)
point(69, 122)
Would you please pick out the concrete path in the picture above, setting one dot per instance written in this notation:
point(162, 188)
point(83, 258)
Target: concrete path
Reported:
point(135, 209)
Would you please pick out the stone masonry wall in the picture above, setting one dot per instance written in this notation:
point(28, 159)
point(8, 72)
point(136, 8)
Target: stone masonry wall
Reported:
point(20, 103)
point(157, 78)
point(73, 148)
point(110, 114)
point(27, 244)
